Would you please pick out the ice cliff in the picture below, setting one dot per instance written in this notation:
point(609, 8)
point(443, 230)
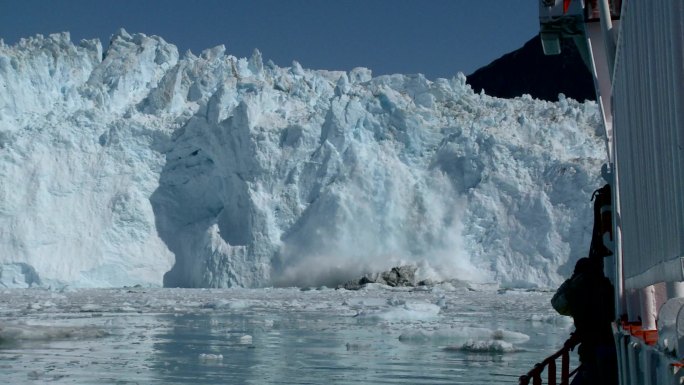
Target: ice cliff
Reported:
point(140, 166)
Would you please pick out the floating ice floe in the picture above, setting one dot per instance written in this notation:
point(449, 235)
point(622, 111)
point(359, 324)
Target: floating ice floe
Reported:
point(24, 332)
point(244, 340)
point(209, 357)
point(450, 335)
point(555, 319)
point(404, 312)
point(484, 346)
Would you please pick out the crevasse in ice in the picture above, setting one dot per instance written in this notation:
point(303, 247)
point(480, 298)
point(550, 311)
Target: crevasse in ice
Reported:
point(140, 166)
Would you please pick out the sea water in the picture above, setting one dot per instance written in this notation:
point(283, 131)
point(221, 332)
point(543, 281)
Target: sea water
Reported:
point(378, 335)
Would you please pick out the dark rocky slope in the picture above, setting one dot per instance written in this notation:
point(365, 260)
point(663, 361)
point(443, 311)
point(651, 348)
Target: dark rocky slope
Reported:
point(528, 71)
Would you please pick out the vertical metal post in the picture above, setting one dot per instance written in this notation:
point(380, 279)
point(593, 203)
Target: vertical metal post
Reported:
point(537, 379)
point(552, 372)
point(608, 38)
point(647, 362)
point(565, 367)
point(647, 302)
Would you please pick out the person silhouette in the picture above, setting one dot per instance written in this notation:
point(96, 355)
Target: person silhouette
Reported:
point(587, 296)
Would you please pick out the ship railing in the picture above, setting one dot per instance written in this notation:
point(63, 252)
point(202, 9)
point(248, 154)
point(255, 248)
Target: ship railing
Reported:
point(535, 375)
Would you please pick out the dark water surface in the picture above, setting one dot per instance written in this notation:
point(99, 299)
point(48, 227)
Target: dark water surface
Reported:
point(444, 335)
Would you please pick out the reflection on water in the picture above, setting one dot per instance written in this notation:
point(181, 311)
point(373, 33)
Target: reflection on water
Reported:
point(273, 337)
point(305, 350)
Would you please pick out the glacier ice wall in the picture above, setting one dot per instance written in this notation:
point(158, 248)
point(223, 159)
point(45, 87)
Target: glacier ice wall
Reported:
point(139, 166)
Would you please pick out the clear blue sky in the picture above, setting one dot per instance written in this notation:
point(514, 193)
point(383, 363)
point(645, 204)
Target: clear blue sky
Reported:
point(438, 38)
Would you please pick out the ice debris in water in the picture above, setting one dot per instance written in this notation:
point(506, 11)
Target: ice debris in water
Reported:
point(555, 319)
point(245, 340)
point(26, 332)
point(463, 333)
point(488, 346)
point(402, 312)
point(507, 335)
point(207, 357)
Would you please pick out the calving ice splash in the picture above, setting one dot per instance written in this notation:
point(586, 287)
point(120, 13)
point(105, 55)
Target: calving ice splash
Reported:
point(140, 166)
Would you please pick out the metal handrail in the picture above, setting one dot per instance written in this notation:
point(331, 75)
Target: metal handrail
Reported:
point(550, 362)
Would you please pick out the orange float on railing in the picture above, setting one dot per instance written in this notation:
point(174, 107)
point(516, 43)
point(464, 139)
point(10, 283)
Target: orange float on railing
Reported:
point(634, 328)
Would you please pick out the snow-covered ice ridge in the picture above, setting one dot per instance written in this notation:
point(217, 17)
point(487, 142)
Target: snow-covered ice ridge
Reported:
point(139, 166)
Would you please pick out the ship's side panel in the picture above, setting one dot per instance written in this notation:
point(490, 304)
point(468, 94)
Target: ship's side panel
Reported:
point(648, 118)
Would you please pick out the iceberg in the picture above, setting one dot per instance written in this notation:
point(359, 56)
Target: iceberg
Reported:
point(136, 165)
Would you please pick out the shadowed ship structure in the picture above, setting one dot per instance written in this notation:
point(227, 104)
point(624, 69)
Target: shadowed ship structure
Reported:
point(634, 51)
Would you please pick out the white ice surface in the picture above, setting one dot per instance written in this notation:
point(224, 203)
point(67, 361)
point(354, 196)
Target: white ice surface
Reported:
point(142, 166)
